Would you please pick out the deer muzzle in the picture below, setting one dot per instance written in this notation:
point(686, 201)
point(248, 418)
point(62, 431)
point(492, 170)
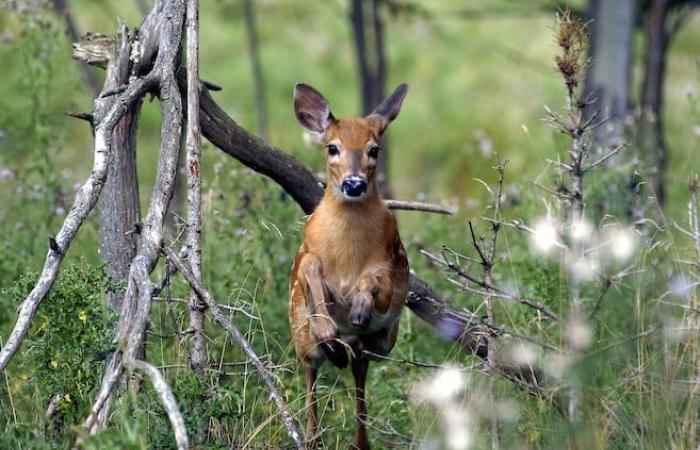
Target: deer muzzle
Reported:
point(354, 187)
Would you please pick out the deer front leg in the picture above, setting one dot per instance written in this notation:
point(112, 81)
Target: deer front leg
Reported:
point(374, 291)
point(323, 326)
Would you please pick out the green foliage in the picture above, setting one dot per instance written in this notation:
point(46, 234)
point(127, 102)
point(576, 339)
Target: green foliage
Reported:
point(200, 402)
point(62, 362)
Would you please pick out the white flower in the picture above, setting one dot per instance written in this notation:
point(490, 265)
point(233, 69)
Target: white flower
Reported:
point(443, 392)
point(558, 365)
point(621, 242)
point(675, 330)
point(578, 334)
point(456, 422)
point(311, 139)
point(688, 90)
point(522, 354)
point(545, 237)
point(444, 386)
point(581, 230)
point(582, 268)
point(681, 287)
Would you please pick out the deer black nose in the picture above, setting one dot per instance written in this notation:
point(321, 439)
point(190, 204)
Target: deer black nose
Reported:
point(354, 186)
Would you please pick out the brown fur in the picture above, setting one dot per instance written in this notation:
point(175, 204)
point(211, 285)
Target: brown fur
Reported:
point(351, 263)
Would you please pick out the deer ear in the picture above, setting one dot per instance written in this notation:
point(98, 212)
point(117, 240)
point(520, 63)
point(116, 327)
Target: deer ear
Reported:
point(389, 108)
point(311, 109)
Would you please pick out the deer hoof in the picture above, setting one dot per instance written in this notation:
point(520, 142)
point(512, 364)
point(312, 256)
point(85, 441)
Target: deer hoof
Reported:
point(361, 311)
point(359, 319)
point(325, 330)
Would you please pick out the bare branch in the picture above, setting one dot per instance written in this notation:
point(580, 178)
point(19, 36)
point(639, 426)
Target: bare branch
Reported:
point(604, 158)
point(198, 351)
point(167, 399)
point(484, 261)
point(490, 287)
point(88, 117)
point(167, 19)
point(408, 362)
point(234, 309)
point(408, 205)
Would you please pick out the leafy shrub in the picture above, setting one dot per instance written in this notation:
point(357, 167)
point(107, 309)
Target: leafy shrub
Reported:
point(71, 334)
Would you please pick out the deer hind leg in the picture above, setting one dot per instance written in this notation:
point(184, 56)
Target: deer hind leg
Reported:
point(380, 344)
point(309, 353)
point(360, 366)
point(312, 435)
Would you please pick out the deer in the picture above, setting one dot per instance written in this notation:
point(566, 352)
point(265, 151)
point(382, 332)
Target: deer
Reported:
point(349, 280)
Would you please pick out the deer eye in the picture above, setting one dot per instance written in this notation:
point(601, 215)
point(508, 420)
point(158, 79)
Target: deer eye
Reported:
point(333, 150)
point(373, 152)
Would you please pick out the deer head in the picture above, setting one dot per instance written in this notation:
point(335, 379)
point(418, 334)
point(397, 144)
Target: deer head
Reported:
point(352, 144)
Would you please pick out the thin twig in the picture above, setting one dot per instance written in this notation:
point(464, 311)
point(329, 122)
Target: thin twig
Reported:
point(234, 309)
point(490, 287)
point(622, 341)
point(408, 205)
point(604, 158)
point(409, 362)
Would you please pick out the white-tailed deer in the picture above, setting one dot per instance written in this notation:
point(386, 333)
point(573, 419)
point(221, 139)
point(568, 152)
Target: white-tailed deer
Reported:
point(350, 277)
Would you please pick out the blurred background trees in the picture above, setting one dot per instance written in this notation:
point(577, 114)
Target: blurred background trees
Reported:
point(371, 46)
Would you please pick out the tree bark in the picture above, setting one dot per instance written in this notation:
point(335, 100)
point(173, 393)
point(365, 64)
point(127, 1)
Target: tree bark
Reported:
point(608, 79)
point(256, 65)
point(160, 38)
point(651, 134)
point(371, 63)
point(198, 349)
point(118, 205)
